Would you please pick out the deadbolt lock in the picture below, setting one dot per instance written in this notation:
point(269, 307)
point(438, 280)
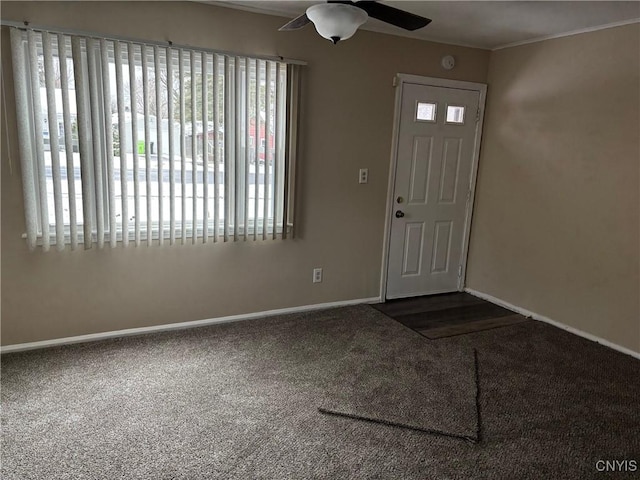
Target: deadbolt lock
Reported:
point(399, 199)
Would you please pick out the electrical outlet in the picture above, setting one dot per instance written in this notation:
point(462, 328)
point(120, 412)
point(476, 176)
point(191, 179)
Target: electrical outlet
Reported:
point(317, 275)
point(364, 175)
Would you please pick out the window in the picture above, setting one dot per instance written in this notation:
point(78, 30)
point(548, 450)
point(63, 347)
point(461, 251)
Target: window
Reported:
point(426, 112)
point(455, 114)
point(123, 141)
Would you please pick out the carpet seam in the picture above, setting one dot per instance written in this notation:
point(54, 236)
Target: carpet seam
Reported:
point(389, 423)
point(478, 409)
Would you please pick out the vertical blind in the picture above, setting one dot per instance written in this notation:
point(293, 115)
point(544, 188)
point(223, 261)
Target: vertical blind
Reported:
point(122, 141)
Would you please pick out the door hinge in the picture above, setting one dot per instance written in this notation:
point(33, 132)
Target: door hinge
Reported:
point(395, 81)
point(478, 115)
point(459, 271)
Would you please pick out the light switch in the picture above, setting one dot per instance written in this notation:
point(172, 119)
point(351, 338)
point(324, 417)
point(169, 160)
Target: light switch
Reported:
point(364, 175)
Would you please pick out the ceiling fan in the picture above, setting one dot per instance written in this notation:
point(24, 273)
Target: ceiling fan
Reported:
point(339, 20)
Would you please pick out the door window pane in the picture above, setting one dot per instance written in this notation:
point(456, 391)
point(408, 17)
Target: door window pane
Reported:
point(455, 114)
point(426, 112)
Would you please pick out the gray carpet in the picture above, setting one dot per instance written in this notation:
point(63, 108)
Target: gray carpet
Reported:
point(239, 401)
point(391, 377)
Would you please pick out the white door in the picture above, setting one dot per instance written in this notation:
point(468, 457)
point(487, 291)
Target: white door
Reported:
point(435, 157)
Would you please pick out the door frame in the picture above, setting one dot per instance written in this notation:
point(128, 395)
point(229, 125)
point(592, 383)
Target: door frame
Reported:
point(400, 80)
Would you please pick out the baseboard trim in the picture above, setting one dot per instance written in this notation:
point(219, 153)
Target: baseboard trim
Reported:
point(555, 323)
point(21, 347)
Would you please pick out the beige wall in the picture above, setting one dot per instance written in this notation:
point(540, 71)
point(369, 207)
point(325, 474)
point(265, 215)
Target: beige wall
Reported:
point(346, 124)
point(556, 225)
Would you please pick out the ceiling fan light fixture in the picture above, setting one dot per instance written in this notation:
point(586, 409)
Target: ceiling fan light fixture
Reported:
point(336, 21)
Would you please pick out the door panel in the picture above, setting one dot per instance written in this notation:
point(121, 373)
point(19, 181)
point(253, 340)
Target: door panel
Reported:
point(413, 245)
point(433, 172)
point(420, 163)
point(450, 170)
point(441, 247)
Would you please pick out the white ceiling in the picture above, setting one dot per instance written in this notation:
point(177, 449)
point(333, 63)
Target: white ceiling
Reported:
point(482, 24)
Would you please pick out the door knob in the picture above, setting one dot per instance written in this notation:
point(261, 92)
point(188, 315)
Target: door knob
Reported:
point(399, 214)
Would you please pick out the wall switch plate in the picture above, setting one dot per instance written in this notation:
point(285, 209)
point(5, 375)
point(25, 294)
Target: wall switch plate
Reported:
point(317, 275)
point(364, 175)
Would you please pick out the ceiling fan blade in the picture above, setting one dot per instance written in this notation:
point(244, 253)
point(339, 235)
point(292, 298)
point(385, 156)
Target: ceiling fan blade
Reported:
point(392, 15)
point(296, 23)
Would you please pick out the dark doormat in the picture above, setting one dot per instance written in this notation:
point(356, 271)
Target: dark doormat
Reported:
point(449, 314)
